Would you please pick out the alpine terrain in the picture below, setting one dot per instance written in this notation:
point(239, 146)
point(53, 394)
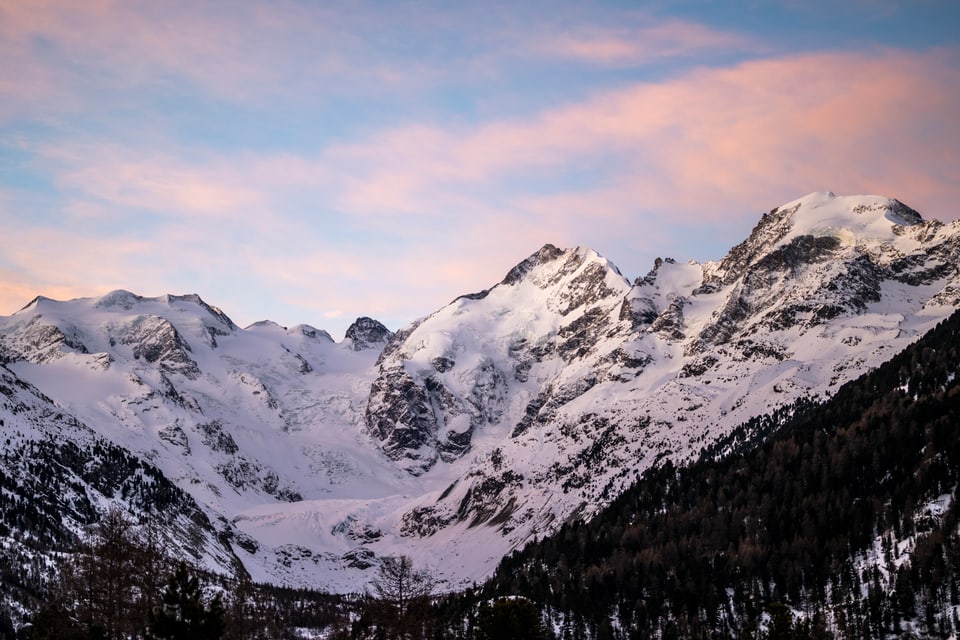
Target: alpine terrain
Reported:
point(467, 434)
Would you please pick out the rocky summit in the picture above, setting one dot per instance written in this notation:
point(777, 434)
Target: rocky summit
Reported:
point(457, 439)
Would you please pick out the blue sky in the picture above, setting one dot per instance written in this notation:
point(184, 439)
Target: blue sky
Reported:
point(312, 162)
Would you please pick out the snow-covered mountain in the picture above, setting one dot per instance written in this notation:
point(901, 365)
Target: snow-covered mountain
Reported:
point(495, 418)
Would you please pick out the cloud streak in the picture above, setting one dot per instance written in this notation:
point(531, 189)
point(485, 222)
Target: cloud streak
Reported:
point(739, 135)
point(619, 46)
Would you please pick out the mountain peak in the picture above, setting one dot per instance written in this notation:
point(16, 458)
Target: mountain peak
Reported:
point(311, 332)
point(850, 211)
point(846, 221)
point(550, 265)
point(118, 298)
point(546, 253)
point(35, 303)
point(367, 333)
point(192, 298)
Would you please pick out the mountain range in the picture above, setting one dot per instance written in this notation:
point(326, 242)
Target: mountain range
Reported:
point(463, 436)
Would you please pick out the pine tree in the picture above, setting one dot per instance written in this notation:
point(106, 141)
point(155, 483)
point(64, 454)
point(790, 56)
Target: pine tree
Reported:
point(183, 615)
point(510, 619)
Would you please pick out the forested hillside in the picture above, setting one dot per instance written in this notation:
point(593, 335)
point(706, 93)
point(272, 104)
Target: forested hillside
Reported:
point(842, 523)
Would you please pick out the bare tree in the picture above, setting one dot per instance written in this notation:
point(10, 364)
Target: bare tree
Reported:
point(404, 591)
point(109, 584)
point(100, 585)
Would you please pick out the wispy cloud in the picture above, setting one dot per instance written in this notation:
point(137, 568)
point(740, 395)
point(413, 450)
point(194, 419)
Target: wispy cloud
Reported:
point(736, 135)
point(642, 44)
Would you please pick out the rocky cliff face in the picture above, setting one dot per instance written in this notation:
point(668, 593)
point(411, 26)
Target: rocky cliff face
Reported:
point(457, 372)
point(367, 333)
point(497, 417)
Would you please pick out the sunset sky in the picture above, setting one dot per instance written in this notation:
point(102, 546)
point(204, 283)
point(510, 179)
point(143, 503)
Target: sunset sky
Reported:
point(311, 162)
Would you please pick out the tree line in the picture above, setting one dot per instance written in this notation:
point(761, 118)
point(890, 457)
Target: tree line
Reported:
point(120, 583)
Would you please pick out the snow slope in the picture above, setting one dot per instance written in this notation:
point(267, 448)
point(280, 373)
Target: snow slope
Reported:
point(499, 416)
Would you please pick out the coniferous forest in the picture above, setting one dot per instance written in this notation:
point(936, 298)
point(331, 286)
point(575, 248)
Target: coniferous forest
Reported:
point(842, 523)
point(823, 520)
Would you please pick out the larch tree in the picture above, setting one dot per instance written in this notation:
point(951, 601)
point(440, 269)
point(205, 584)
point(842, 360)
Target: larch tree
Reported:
point(404, 592)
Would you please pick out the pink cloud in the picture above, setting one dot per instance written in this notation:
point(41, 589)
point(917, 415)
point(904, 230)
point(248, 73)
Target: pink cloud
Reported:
point(110, 181)
point(63, 265)
point(850, 123)
point(15, 294)
point(282, 261)
point(638, 45)
point(715, 146)
point(746, 136)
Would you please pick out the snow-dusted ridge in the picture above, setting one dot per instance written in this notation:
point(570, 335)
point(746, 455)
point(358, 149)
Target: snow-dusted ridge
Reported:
point(498, 416)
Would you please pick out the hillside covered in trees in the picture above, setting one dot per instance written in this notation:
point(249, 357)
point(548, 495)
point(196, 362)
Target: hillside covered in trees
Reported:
point(842, 523)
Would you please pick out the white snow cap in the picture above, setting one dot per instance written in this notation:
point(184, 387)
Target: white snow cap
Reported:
point(854, 220)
